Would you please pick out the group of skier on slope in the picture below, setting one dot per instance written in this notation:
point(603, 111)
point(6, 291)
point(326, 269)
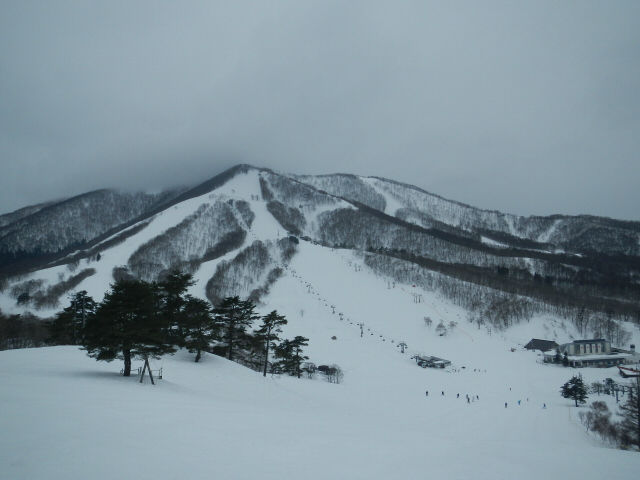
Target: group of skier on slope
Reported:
point(473, 398)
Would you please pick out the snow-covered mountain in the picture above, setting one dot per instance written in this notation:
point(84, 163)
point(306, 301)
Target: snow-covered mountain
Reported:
point(235, 234)
point(358, 265)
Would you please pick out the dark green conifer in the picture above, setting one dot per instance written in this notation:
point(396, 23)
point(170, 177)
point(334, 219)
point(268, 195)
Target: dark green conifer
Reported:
point(128, 324)
point(575, 389)
point(234, 316)
point(68, 326)
point(173, 289)
point(291, 356)
point(268, 332)
point(198, 325)
point(630, 412)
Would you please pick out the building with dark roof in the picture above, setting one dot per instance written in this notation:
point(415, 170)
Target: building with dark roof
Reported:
point(542, 345)
point(431, 362)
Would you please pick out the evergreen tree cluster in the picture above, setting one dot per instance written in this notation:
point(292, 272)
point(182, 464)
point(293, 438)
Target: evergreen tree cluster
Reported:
point(139, 319)
point(22, 331)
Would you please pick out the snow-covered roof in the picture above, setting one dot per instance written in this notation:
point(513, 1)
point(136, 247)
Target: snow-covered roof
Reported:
point(603, 356)
point(607, 356)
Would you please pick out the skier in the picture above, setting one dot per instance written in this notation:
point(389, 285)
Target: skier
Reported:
point(443, 393)
point(457, 395)
point(505, 404)
point(427, 393)
point(544, 405)
point(518, 402)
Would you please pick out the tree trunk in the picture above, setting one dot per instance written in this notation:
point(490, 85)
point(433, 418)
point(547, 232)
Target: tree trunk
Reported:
point(127, 362)
point(266, 352)
point(231, 326)
point(198, 355)
point(266, 359)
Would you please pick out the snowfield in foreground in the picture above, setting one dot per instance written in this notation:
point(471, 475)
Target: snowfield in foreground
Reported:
point(65, 416)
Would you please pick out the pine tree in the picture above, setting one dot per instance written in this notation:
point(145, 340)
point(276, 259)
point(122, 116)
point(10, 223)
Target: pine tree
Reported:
point(268, 332)
point(299, 342)
point(234, 316)
point(173, 291)
point(198, 325)
point(68, 326)
point(630, 412)
point(127, 324)
point(575, 389)
point(291, 356)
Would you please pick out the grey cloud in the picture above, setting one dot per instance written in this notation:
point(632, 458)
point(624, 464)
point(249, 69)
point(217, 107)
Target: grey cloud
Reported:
point(527, 108)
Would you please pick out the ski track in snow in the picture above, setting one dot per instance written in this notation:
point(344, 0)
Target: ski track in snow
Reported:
point(392, 204)
point(512, 229)
point(544, 237)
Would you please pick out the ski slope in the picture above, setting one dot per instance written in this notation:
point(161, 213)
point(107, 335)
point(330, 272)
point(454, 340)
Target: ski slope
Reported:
point(65, 416)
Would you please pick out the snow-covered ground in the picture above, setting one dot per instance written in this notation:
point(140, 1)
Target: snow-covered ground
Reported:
point(65, 416)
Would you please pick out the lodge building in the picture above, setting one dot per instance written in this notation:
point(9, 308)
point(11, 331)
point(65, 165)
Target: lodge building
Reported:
point(596, 352)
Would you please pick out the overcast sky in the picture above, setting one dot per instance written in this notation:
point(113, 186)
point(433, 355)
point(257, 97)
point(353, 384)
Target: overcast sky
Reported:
point(525, 107)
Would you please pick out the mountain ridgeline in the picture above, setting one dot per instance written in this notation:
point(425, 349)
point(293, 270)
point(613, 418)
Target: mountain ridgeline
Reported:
point(502, 268)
